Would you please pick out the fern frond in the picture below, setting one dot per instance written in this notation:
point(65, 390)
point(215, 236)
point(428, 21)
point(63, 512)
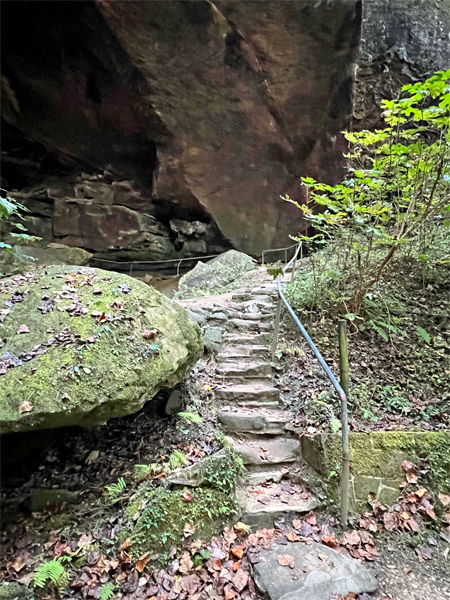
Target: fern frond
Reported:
point(115, 489)
point(107, 591)
point(52, 571)
point(177, 459)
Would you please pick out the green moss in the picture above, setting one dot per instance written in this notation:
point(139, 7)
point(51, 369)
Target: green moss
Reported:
point(115, 375)
point(379, 454)
point(162, 522)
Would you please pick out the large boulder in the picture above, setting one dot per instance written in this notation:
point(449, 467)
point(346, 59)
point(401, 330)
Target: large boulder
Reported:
point(82, 345)
point(23, 258)
point(217, 274)
point(210, 110)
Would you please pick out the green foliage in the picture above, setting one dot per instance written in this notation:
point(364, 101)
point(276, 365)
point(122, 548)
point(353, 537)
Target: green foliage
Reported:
point(177, 459)
point(166, 512)
point(397, 192)
point(11, 208)
point(107, 591)
point(190, 417)
point(423, 334)
point(275, 269)
point(52, 572)
point(116, 489)
point(223, 476)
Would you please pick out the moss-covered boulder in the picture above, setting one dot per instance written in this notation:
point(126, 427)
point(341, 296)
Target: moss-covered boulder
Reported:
point(80, 346)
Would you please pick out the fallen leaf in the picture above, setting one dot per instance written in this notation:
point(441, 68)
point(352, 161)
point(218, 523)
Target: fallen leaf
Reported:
point(311, 518)
point(126, 544)
point(92, 457)
point(292, 537)
point(240, 579)
point(286, 560)
point(444, 498)
point(238, 551)
point(23, 329)
point(142, 562)
point(149, 334)
point(186, 563)
point(297, 523)
point(189, 529)
point(237, 565)
point(228, 592)
point(424, 554)
point(351, 537)
point(390, 522)
point(25, 407)
point(187, 496)
point(410, 470)
point(92, 339)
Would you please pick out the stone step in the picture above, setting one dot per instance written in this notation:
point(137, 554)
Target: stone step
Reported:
point(266, 451)
point(262, 509)
point(243, 297)
point(265, 474)
point(249, 392)
point(236, 352)
point(237, 339)
point(254, 421)
point(249, 325)
point(255, 316)
point(265, 290)
point(266, 404)
point(244, 369)
point(253, 306)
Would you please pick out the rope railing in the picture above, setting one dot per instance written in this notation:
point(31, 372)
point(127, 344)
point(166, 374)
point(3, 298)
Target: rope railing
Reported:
point(345, 469)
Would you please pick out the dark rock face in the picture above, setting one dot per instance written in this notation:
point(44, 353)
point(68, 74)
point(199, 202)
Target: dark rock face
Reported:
point(401, 41)
point(165, 128)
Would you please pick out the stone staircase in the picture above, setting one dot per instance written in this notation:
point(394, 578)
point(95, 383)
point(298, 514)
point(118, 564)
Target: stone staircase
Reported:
point(252, 414)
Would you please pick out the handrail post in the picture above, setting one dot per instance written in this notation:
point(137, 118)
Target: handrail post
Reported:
point(276, 328)
point(344, 381)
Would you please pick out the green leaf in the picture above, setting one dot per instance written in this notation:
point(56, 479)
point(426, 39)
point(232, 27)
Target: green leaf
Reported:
point(423, 334)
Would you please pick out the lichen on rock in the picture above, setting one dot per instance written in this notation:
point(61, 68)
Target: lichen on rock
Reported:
point(93, 345)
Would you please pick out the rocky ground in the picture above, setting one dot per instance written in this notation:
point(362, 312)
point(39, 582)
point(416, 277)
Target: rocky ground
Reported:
point(83, 523)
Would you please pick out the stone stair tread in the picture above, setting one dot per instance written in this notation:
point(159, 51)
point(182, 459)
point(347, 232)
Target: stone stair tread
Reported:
point(274, 404)
point(266, 451)
point(250, 388)
point(254, 421)
point(254, 339)
point(242, 351)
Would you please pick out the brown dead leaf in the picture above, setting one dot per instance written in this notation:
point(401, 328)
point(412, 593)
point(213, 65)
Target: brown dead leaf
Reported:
point(297, 523)
point(186, 563)
point(126, 544)
point(229, 535)
point(237, 565)
point(142, 562)
point(351, 537)
point(311, 518)
point(444, 499)
point(228, 592)
point(238, 551)
point(410, 470)
point(330, 541)
point(189, 529)
point(25, 407)
point(390, 522)
point(150, 334)
point(292, 537)
point(240, 579)
point(187, 496)
point(23, 329)
point(286, 560)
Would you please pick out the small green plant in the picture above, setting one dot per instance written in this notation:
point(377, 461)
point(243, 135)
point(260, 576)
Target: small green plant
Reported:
point(177, 459)
point(116, 489)
point(275, 269)
point(52, 572)
point(11, 208)
point(223, 476)
point(190, 417)
point(423, 334)
point(107, 591)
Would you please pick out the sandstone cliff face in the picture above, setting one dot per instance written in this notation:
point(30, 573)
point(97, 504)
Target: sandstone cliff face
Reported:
point(162, 129)
point(401, 41)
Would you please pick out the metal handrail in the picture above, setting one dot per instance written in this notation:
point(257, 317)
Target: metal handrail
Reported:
point(277, 250)
point(345, 473)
